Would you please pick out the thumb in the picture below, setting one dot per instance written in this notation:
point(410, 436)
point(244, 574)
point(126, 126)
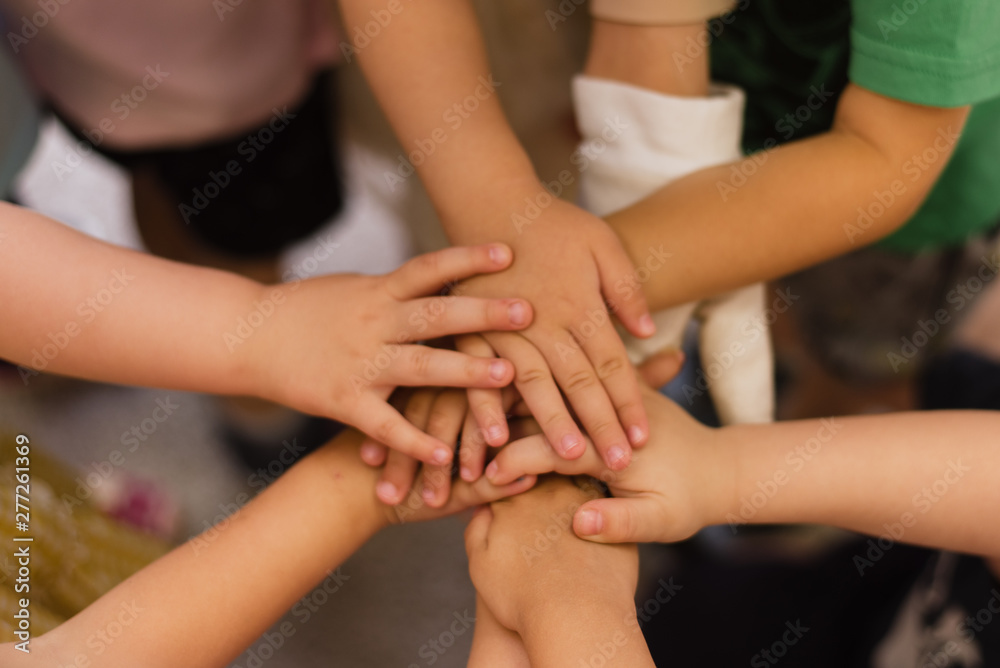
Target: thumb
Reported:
point(636, 520)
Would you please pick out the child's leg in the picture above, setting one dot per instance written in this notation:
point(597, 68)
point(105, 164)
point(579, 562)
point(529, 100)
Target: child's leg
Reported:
point(649, 115)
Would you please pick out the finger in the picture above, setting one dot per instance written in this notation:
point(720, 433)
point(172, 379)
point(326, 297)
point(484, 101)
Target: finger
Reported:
point(534, 456)
point(486, 404)
point(477, 530)
point(629, 305)
point(417, 366)
point(465, 495)
point(633, 520)
point(579, 381)
point(396, 479)
point(382, 423)
point(373, 453)
point(444, 421)
point(434, 317)
point(428, 273)
point(472, 455)
point(661, 368)
point(608, 355)
point(538, 388)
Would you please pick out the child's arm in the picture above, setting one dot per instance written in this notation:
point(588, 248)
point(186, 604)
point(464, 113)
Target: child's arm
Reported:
point(570, 604)
point(928, 477)
point(494, 646)
point(206, 601)
point(429, 70)
point(798, 206)
point(332, 346)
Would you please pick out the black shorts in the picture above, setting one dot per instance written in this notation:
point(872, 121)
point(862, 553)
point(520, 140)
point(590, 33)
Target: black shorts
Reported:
point(254, 193)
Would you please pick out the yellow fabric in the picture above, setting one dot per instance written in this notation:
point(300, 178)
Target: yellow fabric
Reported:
point(78, 554)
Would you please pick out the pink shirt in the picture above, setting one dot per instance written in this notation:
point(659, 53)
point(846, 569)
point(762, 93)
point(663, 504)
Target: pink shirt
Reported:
point(172, 73)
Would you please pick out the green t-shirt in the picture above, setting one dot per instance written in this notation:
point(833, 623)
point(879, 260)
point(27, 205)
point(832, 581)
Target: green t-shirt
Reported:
point(794, 59)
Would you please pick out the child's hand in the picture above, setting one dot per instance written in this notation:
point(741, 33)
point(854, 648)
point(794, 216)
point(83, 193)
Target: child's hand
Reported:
point(337, 346)
point(568, 264)
point(525, 561)
point(442, 414)
point(679, 482)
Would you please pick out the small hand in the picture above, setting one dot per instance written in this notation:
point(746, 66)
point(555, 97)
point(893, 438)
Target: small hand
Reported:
point(674, 488)
point(337, 346)
point(571, 267)
point(519, 575)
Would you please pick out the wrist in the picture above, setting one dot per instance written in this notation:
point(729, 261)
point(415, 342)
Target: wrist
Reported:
point(722, 498)
point(496, 211)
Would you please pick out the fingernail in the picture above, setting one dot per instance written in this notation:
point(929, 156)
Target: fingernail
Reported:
point(498, 370)
point(498, 254)
point(495, 433)
point(386, 491)
point(590, 522)
point(616, 457)
point(466, 474)
point(517, 313)
point(368, 451)
point(521, 479)
point(646, 325)
point(634, 435)
point(427, 494)
point(442, 456)
point(570, 444)
point(491, 470)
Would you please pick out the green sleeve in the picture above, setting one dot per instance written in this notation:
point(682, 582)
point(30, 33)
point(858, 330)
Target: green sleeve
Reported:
point(943, 53)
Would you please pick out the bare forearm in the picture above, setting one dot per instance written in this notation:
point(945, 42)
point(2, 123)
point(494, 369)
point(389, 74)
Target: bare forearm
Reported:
point(212, 595)
point(793, 206)
point(923, 478)
point(586, 632)
point(79, 307)
point(429, 70)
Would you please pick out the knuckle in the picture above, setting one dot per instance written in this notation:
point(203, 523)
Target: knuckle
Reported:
point(420, 362)
point(532, 376)
point(385, 431)
point(580, 380)
point(610, 367)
